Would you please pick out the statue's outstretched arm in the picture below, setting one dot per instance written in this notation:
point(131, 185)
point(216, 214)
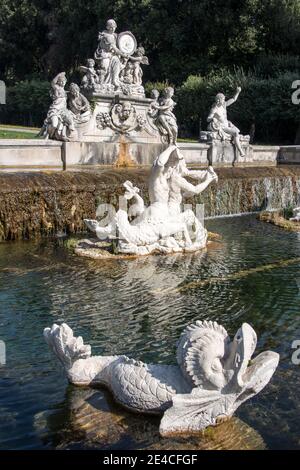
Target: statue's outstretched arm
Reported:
point(196, 174)
point(234, 98)
point(192, 189)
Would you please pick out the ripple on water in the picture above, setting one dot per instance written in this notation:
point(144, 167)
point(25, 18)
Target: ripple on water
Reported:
point(139, 308)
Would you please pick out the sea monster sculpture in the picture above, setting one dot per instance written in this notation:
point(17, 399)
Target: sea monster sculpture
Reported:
point(162, 227)
point(214, 375)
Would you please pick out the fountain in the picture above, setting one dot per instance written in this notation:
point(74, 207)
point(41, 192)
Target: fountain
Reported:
point(110, 111)
point(162, 227)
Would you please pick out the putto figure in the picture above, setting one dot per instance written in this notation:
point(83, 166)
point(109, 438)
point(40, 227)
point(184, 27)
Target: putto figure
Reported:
point(90, 78)
point(133, 72)
point(219, 123)
point(212, 378)
point(161, 110)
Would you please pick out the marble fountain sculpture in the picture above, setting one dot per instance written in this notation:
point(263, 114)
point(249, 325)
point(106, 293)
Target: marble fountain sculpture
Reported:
point(212, 378)
point(162, 227)
point(110, 107)
point(296, 215)
point(226, 142)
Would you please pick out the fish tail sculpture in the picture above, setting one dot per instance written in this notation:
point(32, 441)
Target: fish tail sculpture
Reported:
point(214, 375)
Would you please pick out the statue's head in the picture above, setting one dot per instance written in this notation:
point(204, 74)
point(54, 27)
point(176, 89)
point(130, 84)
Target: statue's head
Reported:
point(140, 51)
point(74, 89)
point(124, 110)
point(175, 165)
point(168, 92)
point(111, 26)
point(61, 79)
point(90, 63)
point(210, 360)
point(155, 94)
point(220, 99)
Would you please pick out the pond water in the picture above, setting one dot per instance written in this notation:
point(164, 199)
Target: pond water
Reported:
point(139, 308)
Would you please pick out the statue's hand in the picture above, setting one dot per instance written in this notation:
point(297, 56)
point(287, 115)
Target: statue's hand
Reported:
point(238, 89)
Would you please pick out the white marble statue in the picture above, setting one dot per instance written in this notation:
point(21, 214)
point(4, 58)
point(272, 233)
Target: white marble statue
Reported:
point(108, 55)
point(163, 226)
point(214, 375)
point(90, 78)
point(133, 73)
point(78, 105)
point(296, 215)
point(59, 123)
point(219, 123)
point(161, 111)
point(119, 62)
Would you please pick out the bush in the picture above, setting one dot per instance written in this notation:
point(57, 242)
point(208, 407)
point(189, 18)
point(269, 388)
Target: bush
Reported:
point(263, 102)
point(27, 103)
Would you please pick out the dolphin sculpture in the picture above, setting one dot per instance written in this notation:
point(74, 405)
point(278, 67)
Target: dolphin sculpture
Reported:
point(212, 378)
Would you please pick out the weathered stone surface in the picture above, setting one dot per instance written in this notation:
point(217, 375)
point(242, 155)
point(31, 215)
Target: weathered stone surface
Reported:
point(34, 204)
point(289, 154)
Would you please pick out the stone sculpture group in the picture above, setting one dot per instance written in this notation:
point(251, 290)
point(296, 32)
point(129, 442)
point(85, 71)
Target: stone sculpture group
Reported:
point(212, 378)
point(162, 227)
point(113, 80)
point(114, 74)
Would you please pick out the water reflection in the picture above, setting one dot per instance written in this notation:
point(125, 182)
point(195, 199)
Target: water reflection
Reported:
point(139, 308)
point(96, 421)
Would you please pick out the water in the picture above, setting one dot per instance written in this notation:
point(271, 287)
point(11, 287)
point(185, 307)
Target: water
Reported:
point(139, 308)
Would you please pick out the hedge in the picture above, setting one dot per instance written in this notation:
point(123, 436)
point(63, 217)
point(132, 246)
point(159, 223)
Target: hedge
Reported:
point(264, 101)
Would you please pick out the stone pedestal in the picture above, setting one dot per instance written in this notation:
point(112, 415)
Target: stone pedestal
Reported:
point(119, 116)
point(223, 151)
point(121, 153)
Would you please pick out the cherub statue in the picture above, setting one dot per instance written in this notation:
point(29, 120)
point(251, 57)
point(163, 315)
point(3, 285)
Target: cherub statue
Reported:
point(91, 78)
point(154, 104)
point(59, 123)
point(162, 111)
point(218, 121)
point(212, 378)
point(133, 72)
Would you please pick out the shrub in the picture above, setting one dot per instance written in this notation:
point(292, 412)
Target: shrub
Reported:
point(265, 102)
point(27, 103)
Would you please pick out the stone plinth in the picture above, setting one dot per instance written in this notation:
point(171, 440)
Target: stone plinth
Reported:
point(31, 153)
point(222, 151)
point(116, 116)
point(124, 153)
point(290, 154)
point(21, 153)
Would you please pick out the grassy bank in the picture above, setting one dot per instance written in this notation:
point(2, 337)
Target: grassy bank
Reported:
point(8, 134)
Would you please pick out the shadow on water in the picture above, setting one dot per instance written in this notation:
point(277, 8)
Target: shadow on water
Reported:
point(139, 308)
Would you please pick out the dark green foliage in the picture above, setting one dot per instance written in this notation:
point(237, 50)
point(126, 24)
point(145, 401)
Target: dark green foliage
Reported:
point(263, 101)
point(200, 46)
point(27, 103)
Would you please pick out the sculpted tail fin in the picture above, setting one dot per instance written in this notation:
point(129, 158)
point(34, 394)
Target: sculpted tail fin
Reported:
point(65, 346)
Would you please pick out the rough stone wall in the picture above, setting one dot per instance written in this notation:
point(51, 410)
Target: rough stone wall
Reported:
point(41, 204)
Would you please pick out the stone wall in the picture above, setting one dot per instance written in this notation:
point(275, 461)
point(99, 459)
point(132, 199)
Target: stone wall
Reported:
point(36, 154)
point(43, 204)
